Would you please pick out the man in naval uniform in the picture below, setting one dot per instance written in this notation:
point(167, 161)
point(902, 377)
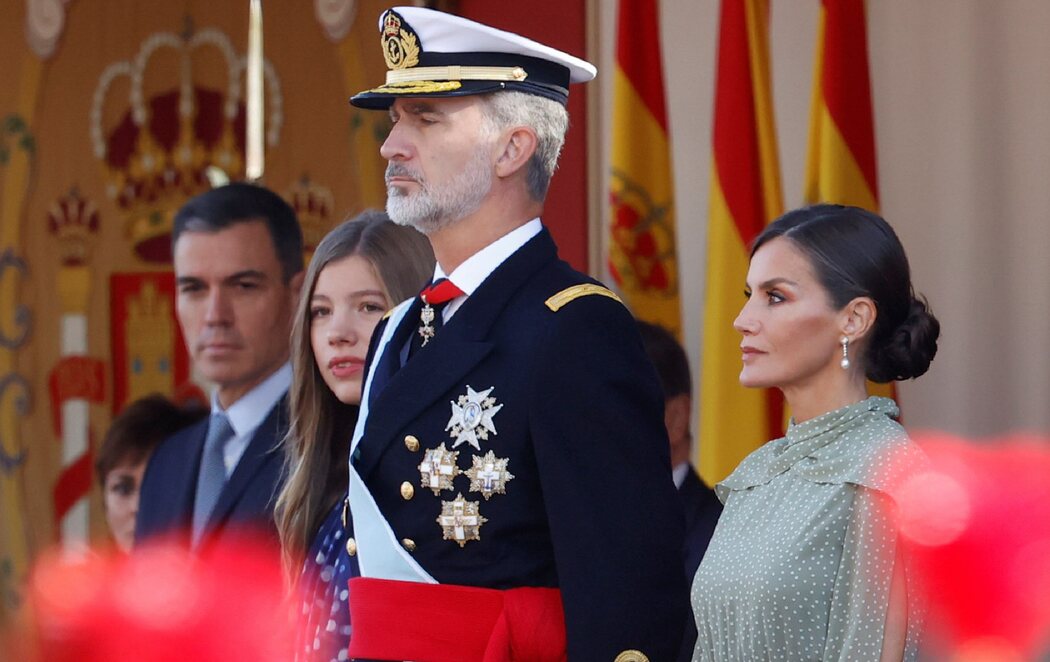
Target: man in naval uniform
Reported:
point(509, 477)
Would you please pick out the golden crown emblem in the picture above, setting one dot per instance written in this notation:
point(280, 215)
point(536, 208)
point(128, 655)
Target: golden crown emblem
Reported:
point(73, 220)
point(150, 333)
point(391, 24)
point(400, 43)
point(164, 136)
point(313, 205)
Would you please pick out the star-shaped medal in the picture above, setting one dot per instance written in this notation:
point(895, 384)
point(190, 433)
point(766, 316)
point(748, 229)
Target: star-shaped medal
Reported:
point(438, 468)
point(489, 475)
point(471, 419)
point(460, 520)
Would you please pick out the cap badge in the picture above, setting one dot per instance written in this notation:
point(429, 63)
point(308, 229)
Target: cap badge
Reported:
point(460, 520)
point(400, 43)
point(472, 416)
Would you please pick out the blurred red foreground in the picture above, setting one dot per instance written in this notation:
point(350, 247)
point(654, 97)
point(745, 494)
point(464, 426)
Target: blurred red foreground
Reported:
point(978, 526)
point(161, 604)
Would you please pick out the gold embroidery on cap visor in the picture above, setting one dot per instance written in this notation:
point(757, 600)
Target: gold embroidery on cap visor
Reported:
point(400, 45)
point(455, 72)
point(420, 87)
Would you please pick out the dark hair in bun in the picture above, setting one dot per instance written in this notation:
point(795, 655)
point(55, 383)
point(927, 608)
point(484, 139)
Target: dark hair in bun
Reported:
point(855, 253)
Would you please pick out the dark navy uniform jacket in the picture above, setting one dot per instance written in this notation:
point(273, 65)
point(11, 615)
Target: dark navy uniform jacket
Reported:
point(169, 485)
point(591, 508)
point(702, 509)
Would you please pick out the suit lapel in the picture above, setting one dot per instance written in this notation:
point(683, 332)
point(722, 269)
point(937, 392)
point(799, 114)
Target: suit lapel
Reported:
point(390, 360)
point(455, 351)
point(413, 389)
point(182, 478)
point(263, 449)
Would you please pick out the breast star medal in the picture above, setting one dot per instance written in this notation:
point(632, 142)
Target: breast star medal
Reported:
point(438, 468)
point(489, 475)
point(460, 520)
point(472, 415)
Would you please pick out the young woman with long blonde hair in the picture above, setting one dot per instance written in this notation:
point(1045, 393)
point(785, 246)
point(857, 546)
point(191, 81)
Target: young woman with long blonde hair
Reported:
point(360, 270)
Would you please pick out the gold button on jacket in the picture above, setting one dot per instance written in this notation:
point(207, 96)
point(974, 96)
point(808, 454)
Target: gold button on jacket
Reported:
point(411, 443)
point(409, 544)
point(407, 491)
point(351, 546)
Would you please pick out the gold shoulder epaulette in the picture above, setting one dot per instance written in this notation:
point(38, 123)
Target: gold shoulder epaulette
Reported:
point(556, 302)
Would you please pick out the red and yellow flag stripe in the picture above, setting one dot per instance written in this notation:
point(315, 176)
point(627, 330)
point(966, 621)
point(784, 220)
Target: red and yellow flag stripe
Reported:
point(642, 253)
point(745, 196)
point(840, 164)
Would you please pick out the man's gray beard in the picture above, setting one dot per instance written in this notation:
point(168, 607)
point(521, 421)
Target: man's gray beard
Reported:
point(431, 209)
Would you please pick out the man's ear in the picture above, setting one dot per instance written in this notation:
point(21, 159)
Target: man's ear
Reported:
point(677, 413)
point(295, 289)
point(518, 147)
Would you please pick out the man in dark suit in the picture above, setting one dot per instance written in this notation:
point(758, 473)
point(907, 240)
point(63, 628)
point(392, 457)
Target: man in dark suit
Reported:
point(238, 269)
point(701, 506)
point(510, 486)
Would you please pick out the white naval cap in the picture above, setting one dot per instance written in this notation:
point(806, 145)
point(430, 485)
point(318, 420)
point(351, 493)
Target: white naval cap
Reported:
point(433, 54)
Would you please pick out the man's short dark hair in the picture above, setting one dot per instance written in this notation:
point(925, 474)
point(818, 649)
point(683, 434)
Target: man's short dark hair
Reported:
point(668, 357)
point(222, 207)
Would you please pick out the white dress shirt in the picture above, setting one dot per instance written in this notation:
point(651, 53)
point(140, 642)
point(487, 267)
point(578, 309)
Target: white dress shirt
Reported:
point(679, 473)
point(479, 266)
point(250, 410)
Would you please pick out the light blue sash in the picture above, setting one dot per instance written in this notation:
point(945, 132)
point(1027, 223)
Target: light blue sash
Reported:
point(379, 552)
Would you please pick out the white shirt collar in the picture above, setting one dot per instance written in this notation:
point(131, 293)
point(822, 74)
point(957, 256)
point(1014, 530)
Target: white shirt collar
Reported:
point(679, 473)
point(251, 409)
point(479, 266)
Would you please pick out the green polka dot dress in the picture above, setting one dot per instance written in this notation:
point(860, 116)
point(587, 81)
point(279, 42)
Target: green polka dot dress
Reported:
point(800, 564)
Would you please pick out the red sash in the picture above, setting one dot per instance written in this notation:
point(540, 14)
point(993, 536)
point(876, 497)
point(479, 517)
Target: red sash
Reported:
point(397, 620)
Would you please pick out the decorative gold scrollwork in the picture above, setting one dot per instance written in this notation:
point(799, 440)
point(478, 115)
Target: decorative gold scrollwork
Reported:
point(22, 316)
point(9, 461)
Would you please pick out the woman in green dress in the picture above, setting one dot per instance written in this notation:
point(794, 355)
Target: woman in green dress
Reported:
point(805, 562)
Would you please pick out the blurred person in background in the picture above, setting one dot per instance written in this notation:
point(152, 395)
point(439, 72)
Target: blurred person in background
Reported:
point(238, 258)
point(122, 456)
point(359, 271)
point(699, 503)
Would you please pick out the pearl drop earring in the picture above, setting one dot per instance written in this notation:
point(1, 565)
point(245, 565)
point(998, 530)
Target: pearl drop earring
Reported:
point(845, 353)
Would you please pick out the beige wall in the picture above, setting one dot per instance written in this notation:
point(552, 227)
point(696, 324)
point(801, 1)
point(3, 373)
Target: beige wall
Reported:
point(961, 95)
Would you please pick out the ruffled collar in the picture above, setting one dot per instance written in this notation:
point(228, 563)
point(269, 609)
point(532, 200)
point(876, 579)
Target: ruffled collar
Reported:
point(808, 439)
point(818, 427)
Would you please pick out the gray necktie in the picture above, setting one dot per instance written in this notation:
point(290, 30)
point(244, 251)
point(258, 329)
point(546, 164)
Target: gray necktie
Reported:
point(212, 476)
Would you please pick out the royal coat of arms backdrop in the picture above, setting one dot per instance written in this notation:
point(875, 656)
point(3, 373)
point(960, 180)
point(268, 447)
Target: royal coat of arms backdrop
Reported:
point(112, 114)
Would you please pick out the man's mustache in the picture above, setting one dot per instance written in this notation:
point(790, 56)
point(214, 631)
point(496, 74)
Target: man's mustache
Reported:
point(399, 170)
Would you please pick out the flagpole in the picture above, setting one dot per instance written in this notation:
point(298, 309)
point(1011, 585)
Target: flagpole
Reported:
point(255, 159)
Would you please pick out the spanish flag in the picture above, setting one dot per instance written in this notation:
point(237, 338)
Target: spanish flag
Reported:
point(840, 164)
point(745, 196)
point(642, 257)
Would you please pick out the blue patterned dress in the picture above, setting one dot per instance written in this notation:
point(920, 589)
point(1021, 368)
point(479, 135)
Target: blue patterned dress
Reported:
point(323, 634)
